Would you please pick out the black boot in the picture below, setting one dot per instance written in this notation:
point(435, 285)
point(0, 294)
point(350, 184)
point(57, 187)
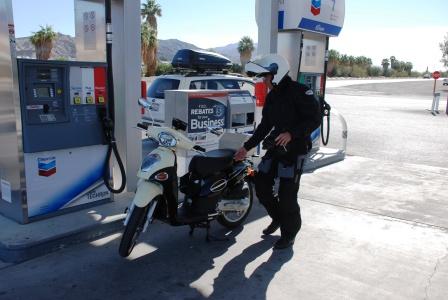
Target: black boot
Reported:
point(283, 243)
point(271, 228)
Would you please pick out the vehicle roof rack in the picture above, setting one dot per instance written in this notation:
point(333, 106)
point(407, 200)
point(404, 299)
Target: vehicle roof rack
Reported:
point(199, 61)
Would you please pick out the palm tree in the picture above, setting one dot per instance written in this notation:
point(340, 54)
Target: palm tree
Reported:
point(444, 48)
point(385, 63)
point(149, 12)
point(43, 42)
point(149, 48)
point(344, 59)
point(352, 60)
point(394, 63)
point(363, 61)
point(408, 67)
point(245, 48)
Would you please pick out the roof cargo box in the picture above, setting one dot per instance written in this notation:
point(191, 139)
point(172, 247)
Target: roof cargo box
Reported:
point(200, 60)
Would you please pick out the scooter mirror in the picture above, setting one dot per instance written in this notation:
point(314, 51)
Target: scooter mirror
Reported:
point(179, 124)
point(216, 130)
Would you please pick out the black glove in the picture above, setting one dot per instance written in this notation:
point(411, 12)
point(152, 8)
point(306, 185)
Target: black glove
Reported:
point(269, 144)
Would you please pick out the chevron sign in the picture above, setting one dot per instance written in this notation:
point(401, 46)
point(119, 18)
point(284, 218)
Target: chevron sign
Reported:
point(315, 7)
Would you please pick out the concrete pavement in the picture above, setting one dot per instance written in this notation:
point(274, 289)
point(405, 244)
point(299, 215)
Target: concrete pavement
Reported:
point(357, 242)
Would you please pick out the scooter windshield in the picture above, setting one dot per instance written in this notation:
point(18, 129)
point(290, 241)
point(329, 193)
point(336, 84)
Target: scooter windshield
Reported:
point(149, 160)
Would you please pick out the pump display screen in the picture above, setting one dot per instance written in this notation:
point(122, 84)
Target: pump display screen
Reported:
point(43, 92)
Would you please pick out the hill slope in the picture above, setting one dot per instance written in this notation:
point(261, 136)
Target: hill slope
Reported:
point(64, 48)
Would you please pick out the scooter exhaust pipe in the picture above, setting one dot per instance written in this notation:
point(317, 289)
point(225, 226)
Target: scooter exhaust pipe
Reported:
point(233, 205)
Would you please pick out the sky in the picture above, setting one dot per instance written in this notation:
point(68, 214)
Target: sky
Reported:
point(410, 30)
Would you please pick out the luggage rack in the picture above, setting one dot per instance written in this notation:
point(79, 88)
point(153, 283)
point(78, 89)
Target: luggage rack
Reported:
point(197, 62)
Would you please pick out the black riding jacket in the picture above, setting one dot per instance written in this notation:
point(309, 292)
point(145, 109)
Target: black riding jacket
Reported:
point(289, 107)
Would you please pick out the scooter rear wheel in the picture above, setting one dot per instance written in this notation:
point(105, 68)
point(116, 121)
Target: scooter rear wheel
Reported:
point(232, 220)
point(132, 230)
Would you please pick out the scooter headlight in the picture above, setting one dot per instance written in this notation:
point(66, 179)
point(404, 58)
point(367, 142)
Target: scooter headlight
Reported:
point(148, 161)
point(167, 140)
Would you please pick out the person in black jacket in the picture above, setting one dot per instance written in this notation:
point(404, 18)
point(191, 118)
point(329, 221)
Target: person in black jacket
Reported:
point(290, 114)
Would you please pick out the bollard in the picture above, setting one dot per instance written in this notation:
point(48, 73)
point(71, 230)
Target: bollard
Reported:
point(446, 111)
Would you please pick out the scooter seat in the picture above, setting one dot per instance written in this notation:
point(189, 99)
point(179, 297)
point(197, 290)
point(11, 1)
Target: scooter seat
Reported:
point(211, 162)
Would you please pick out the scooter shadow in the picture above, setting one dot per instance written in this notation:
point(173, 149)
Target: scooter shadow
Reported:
point(232, 282)
point(182, 267)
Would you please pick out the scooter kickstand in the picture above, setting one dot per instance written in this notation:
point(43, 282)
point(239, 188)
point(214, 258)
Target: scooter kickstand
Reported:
point(211, 238)
point(207, 235)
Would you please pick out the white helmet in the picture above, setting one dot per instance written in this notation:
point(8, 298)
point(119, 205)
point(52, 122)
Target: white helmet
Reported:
point(271, 63)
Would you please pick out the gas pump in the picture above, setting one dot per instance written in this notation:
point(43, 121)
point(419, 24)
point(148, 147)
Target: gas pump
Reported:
point(63, 126)
point(63, 105)
point(299, 30)
point(312, 72)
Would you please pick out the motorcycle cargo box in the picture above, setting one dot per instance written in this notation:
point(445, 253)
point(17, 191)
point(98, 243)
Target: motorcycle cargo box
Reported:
point(200, 60)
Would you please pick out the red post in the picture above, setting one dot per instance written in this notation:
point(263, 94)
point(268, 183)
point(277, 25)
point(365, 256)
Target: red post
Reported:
point(436, 75)
point(143, 94)
point(143, 89)
point(261, 90)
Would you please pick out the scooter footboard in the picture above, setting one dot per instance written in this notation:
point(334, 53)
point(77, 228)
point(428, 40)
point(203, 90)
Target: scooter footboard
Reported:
point(146, 191)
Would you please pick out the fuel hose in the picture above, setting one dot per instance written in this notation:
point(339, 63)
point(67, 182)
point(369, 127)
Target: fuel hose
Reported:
point(326, 112)
point(108, 119)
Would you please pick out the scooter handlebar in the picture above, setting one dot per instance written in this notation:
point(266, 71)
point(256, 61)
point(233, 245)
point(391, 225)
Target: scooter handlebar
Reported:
point(142, 126)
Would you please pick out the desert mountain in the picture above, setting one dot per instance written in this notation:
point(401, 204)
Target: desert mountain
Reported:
point(64, 48)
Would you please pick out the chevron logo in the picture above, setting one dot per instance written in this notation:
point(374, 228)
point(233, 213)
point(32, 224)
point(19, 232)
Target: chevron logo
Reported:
point(315, 7)
point(47, 166)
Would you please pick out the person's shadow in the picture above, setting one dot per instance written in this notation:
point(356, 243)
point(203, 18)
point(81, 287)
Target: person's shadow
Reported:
point(232, 283)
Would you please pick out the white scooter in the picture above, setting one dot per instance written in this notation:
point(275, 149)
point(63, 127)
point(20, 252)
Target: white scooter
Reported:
point(215, 187)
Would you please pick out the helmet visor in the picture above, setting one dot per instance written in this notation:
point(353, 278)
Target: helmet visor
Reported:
point(254, 69)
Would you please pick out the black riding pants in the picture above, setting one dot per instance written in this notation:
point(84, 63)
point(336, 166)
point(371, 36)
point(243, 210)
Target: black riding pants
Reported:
point(283, 207)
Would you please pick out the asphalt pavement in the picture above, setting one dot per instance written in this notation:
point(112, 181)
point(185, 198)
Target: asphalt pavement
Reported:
point(408, 88)
point(390, 121)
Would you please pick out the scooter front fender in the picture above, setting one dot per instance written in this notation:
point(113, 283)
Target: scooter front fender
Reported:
point(146, 192)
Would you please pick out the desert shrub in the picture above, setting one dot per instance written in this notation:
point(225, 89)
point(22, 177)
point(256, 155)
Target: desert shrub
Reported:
point(390, 73)
point(375, 71)
point(358, 71)
point(401, 74)
point(343, 71)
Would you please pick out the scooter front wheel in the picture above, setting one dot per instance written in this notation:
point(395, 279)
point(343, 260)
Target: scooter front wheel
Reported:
point(132, 230)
